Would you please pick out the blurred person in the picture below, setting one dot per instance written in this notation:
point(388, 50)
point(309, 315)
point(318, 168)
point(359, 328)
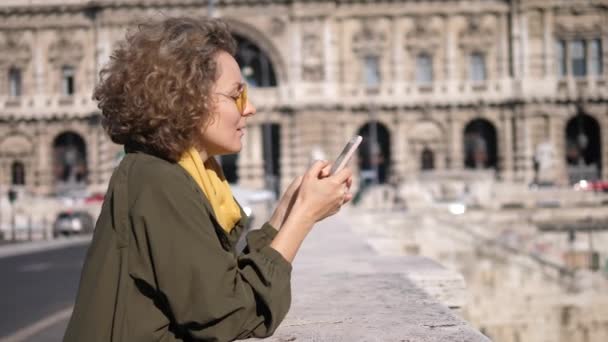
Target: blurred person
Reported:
point(162, 264)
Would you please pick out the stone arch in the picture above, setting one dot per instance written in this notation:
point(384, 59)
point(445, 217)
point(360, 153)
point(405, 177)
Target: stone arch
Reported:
point(261, 40)
point(256, 66)
point(230, 167)
point(426, 130)
point(480, 144)
point(375, 159)
point(426, 139)
point(70, 165)
point(583, 146)
point(427, 159)
point(18, 173)
point(16, 144)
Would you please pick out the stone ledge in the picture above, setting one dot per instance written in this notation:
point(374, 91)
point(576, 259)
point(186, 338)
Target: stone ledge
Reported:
point(344, 291)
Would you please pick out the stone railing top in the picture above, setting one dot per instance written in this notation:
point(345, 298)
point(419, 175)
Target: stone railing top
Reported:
point(343, 290)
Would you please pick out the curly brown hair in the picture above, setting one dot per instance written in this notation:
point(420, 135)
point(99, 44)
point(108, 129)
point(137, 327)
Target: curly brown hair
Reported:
point(155, 91)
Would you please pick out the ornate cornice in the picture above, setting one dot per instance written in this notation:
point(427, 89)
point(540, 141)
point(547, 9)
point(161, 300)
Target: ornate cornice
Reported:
point(423, 37)
point(476, 36)
point(13, 50)
point(369, 40)
point(63, 50)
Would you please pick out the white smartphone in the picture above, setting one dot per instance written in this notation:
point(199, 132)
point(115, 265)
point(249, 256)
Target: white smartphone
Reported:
point(346, 155)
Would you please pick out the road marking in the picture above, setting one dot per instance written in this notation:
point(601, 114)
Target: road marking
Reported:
point(36, 267)
point(33, 329)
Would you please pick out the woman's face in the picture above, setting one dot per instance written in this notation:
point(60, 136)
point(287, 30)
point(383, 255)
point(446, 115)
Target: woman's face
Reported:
point(226, 126)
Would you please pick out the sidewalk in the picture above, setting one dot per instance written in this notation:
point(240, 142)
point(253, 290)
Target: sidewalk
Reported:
point(18, 248)
point(344, 291)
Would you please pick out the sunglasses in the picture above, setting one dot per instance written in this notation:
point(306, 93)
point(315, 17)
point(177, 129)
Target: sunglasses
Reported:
point(241, 99)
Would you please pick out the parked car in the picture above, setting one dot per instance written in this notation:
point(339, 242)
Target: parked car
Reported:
point(94, 198)
point(596, 185)
point(73, 222)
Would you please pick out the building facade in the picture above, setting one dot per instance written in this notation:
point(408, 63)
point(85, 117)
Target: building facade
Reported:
point(517, 87)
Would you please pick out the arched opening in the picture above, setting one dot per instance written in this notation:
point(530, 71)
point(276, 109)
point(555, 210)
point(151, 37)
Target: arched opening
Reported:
point(583, 148)
point(255, 65)
point(18, 173)
point(230, 167)
point(69, 159)
point(480, 145)
point(374, 153)
point(427, 160)
point(271, 152)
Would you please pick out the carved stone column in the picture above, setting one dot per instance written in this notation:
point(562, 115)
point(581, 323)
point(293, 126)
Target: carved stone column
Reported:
point(507, 141)
point(524, 152)
point(457, 162)
point(251, 162)
point(288, 172)
point(401, 157)
point(558, 139)
point(45, 161)
point(548, 43)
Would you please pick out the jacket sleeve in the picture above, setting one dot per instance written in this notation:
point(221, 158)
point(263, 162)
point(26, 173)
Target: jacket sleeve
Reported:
point(260, 238)
point(208, 293)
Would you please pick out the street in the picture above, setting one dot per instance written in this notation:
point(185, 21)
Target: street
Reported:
point(36, 286)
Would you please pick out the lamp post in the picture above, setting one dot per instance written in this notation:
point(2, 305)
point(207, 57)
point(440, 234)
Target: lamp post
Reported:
point(210, 8)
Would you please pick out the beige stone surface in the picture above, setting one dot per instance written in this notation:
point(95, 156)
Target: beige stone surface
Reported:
point(343, 290)
point(318, 51)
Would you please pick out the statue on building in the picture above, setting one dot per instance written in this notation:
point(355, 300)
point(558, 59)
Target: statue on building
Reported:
point(544, 163)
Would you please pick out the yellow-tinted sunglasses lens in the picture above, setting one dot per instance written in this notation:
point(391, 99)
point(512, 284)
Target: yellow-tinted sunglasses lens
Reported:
point(241, 101)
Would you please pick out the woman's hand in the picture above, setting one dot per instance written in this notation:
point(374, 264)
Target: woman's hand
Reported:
point(316, 196)
point(285, 204)
point(321, 195)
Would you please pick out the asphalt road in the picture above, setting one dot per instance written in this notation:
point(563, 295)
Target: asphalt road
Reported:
point(36, 285)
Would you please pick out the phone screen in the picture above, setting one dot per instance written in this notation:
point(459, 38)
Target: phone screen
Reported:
point(346, 154)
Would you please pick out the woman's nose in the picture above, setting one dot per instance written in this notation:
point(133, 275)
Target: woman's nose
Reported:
point(249, 109)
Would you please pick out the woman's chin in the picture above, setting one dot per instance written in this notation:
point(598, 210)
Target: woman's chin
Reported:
point(233, 149)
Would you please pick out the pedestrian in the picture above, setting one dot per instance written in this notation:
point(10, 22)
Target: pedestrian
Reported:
point(162, 264)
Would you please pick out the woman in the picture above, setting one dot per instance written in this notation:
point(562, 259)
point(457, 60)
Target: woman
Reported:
point(162, 265)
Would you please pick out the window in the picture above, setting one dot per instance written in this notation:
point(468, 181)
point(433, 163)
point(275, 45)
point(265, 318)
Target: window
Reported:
point(427, 160)
point(18, 173)
point(578, 58)
point(560, 58)
point(371, 71)
point(424, 69)
point(596, 57)
point(14, 79)
point(477, 70)
point(67, 82)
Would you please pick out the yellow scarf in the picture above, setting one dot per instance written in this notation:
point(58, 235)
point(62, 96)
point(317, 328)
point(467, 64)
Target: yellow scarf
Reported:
point(211, 180)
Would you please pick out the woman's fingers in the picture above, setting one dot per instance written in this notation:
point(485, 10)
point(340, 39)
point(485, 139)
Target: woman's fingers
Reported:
point(349, 182)
point(347, 197)
point(343, 175)
point(326, 170)
point(316, 168)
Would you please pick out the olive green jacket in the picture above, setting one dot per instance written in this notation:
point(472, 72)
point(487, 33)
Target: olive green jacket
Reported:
point(161, 268)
